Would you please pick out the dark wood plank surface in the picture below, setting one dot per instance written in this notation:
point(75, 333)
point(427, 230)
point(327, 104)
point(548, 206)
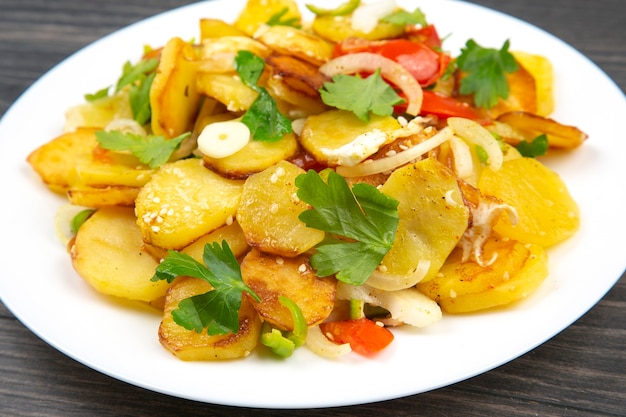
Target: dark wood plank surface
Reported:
point(580, 372)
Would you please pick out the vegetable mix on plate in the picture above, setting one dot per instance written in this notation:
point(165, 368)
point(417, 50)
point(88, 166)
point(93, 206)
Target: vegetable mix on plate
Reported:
point(281, 182)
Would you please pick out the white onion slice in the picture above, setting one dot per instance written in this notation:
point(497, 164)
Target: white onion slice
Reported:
point(394, 282)
point(389, 163)
point(463, 162)
point(473, 132)
point(408, 306)
point(320, 345)
point(390, 70)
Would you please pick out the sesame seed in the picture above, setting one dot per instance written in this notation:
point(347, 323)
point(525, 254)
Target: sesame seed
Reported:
point(274, 208)
point(280, 260)
point(156, 229)
point(302, 268)
point(229, 220)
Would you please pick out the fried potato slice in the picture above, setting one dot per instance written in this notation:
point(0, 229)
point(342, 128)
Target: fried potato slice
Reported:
point(190, 345)
point(54, 161)
point(289, 40)
point(269, 209)
point(184, 201)
point(174, 95)
point(257, 13)
point(547, 213)
point(271, 276)
point(111, 195)
point(108, 254)
point(515, 272)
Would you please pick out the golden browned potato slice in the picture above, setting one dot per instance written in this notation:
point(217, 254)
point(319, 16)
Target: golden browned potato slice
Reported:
point(338, 28)
point(516, 272)
point(184, 201)
point(231, 233)
point(227, 89)
point(269, 209)
point(547, 213)
point(433, 217)
point(289, 40)
point(190, 345)
point(258, 12)
point(54, 161)
point(174, 95)
point(216, 28)
point(271, 276)
point(108, 254)
point(321, 137)
point(254, 157)
point(218, 54)
point(112, 195)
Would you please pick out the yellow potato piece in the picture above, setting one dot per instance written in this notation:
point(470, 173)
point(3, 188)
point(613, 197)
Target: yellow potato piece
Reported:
point(190, 345)
point(184, 201)
point(54, 161)
point(108, 253)
point(271, 277)
point(174, 95)
point(259, 12)
point(541, 69)
point(547, 213)
point(432, 215)
point(320, 134)
point(111, 195)
point(463, 287)
point(254, 157)
point(227, 89)
point(269, 209)
point(338, 28)
point(231, 233)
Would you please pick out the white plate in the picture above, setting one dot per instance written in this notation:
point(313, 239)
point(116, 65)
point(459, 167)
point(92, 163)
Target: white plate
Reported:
point(40, 287)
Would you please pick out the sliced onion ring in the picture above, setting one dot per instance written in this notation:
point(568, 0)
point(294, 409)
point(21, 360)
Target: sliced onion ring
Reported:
point(473, 132)
point(319, 344)
point(392, 282)
point(389, 163)
point(390, 70)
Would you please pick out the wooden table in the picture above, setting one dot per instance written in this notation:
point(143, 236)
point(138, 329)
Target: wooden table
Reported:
point(581, 371)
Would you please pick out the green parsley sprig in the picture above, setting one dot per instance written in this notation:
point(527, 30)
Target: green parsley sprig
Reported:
point(485, 72)
point(361, 96)
point(403, 17)
point(537, 147)
point(151, 150)
point(217, 310)
point(360, 223)
point(277, 19)
point(263, 119)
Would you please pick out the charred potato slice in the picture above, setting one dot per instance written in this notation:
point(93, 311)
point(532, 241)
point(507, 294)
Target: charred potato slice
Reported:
point(289, 40)
point(271, 276)
point(190, 345)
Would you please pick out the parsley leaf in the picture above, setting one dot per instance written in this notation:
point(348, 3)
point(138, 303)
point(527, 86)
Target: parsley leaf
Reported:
point(363, 215)
point(485, 70)
point(361, 95)
point(133, 73)
point(153, 151)
point(402, 17)
point(276, 19)
point(218, 309)
point(341, 10)
point(139, 97)
point(265, 121)
point(537, 147)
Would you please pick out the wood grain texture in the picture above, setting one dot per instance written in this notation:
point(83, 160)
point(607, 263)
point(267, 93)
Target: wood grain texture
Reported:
point(580, 372)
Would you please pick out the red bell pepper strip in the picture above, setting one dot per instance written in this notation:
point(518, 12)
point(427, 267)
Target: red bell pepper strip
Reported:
point(363, 335)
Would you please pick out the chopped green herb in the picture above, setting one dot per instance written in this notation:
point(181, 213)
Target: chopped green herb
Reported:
point(139, 97)
point(80, 218)
point(263, 119)
point(133, 73)
point(537, 147)
point(363, 215)
point(402, 17)
point(153, 151)
point(277, 19)
point(361, 95)
point(341, 10)
point(217, 310)
point(485, 72)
